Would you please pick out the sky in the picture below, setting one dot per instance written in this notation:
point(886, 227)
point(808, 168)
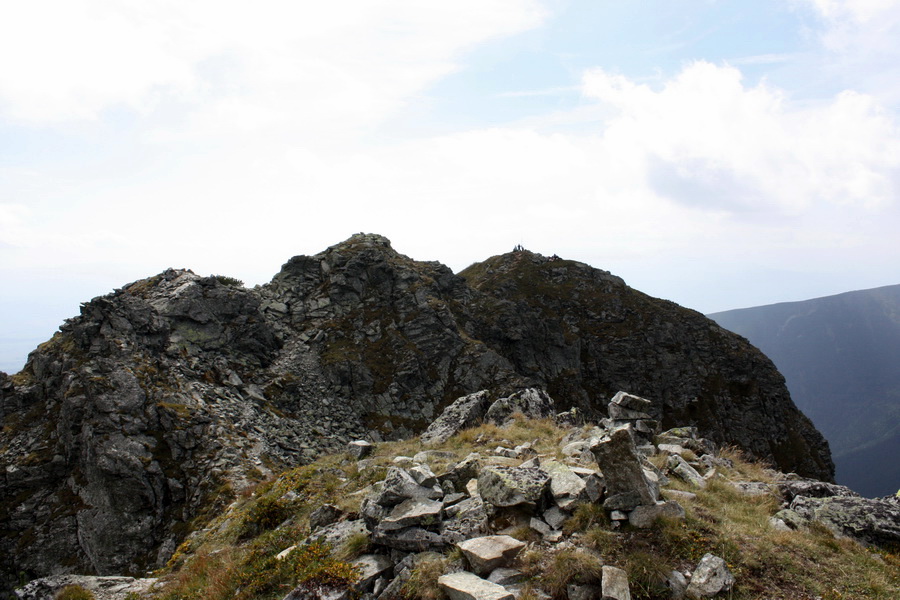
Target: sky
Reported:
point(717, 154)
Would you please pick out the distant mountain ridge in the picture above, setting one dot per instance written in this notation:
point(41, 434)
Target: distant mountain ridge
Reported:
point(840, 356)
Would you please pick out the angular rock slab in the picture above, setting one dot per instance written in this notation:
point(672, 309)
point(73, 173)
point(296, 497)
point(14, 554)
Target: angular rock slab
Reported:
point(631, 402)
point(419, 512)
point(399, 485)
point(532, 402)
point(370, 567)
point(622, 469)
point(468, 586)
point(567, 487)
point(511, 486)
point(464, 412)
point(685, 472)
point(490, 552)
point(614, 584)
point(711, 577)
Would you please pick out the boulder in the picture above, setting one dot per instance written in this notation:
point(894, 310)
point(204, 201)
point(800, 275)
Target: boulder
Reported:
point(631, 402)
point(567, 488)
point(490, 552)
point(614, 584)
point(411, 539)
point(324, 515)
point(532, 402)
point(621, 466)
point(418, 512)
point(681, 469)
point(510, 486)
point(871, 521)
point(370, 567)
point(812, 489)
point(466, 411)
point(338, 533)
point(468, 586)
point(645, 516)
point(399, 485)
point(465, 520)
point(711, 577)
point(360, 449)
point(103, 588)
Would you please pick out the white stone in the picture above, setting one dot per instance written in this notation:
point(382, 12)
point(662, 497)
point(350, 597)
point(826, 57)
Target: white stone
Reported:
point(468, 586)
point(615, 584)
point(490, 552)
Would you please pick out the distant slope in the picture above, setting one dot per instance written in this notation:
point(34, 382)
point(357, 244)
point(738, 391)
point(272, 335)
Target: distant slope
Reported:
point(840, 356)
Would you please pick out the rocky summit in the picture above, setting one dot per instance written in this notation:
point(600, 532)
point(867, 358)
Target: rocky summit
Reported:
point(147, 413)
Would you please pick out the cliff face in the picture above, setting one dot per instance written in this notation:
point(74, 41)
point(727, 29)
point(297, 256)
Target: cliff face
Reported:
point(164, 397)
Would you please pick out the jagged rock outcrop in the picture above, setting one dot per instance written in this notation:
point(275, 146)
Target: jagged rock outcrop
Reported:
point(157, 400)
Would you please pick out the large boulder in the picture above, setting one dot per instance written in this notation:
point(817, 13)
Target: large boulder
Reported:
point(510, 486)
point(872, 521)
point(490, 552)
point(622, 468)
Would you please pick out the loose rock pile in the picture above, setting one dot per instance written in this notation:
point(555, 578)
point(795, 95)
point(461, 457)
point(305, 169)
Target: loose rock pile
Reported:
point(478, 505)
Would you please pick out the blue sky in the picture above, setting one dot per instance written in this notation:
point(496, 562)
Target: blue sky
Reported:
point(718, 154)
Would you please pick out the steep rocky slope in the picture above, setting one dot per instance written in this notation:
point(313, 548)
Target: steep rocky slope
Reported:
point(165, 397)
point(839, 356)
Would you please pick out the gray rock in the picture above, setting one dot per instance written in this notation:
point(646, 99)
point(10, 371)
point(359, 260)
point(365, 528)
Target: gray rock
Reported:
point(567, 488)
point(584, 592)
point(418, 512)
point(399, 485)
point(510, 486)
point(465, 520)
point(681, 469)
point(360, 449)
point(622, 471)
point(790, 518)
point(615, 584)
point(645, 516)
point(423, 475)
point(620, 413)
point(813, 489)
point(464, 412)
point(468, 586)
point(753, 488)
point(631, 402)
point(103, 588)
point(324, 515)
point(339, 533)
point(371, 567)
point(505, 576)
point(490, 552)
point(556, 517)
point(871, 521)
point(463, 471)
point(711, 577)
point(411, 539)
point(677, 584)
point(533, 403)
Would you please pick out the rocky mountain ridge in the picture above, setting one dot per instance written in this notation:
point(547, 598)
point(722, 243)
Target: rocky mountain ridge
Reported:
point(161, 399)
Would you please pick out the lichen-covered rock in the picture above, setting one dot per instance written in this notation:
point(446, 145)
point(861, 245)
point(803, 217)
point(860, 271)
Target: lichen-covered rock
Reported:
point(710, 578)
point(533, 403)
point(872, 521)
point(510, 486)
point(622, 469)
point(466, 411)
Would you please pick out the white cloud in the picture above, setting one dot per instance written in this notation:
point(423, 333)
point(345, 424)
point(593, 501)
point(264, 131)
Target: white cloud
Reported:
point(274, 61)
point(708, 139)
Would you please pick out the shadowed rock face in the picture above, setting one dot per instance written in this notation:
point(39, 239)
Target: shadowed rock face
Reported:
point(169, 394)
